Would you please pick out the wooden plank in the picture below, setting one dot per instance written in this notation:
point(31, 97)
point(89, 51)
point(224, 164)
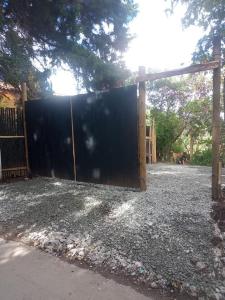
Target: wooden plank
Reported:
point(73, 142)
point(14, 169)
point(224, 97)
point(216, 126)
point(0, 165)
point(11, 137)
point(142, 131)
point(154, 155)
point(187, 70)
point(24, 99)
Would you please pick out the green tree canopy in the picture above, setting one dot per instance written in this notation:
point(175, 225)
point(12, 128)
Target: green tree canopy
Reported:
point(88, 35)
point(182, 108)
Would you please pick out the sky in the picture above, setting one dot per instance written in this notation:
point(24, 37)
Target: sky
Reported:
point(160, 43)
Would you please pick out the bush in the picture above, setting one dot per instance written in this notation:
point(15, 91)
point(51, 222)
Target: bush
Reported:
point(178, 147)
point(202, 158)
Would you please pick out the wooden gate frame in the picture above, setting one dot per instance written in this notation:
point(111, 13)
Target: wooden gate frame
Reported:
point(216, 67)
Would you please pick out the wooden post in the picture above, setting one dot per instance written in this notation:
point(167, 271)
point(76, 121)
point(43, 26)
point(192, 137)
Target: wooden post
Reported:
point(24, 99)
point(0, 165)
point(73, 142)
point(24, 91)
point(224, 98)
point(154, 156)
point(216, 139)
point(142, 131)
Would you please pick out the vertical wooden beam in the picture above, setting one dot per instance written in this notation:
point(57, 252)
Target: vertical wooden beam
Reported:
point(24, 99)
point(148, 144)
point(24, 91)
point(154, 156)
point(224, 98)
point(73, 141)
point(142, 131)
point(0, 165)
point(216, 138)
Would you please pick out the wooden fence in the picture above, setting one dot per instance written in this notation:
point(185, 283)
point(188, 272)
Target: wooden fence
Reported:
point(12, 143)
point(151, 144)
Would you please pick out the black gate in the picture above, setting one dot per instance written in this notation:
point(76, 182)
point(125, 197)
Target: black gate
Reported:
point(91, 137)
point(106, 137)
point(49, 135)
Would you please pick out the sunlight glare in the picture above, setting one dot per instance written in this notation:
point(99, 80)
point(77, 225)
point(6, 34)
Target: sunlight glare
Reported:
point(160, 44)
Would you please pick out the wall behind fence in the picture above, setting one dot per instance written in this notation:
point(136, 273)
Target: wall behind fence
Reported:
point(105, 137)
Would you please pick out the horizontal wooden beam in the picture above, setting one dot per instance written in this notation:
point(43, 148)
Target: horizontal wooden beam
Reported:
point(187, 70)
point(11, 136)
point(14, 169)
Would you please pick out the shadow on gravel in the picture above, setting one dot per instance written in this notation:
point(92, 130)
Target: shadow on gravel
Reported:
point(70, 207)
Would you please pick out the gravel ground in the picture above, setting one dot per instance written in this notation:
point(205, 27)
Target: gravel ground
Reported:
point(162, 238)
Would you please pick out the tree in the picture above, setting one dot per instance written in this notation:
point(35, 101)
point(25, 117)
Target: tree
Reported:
point(168, 94)
point(168, 126)
point(87, 35)
point(199, 122)
point(208, 14)
point(182, 108)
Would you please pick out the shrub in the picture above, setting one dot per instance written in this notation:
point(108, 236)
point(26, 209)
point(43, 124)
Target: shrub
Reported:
point(202, 158)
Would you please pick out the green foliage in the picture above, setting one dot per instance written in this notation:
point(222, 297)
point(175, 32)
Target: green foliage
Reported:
point(88, 35)
point(168, 94)
point(202, 158)
point(167, 131)
point(182, 109)
point(178, 146)
point(199, 118)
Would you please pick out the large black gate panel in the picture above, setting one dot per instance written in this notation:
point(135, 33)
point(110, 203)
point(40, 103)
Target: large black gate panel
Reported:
point(49, 133)
point(106, 137)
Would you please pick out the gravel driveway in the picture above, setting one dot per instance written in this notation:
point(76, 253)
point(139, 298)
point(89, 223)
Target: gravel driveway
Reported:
point(159, 238)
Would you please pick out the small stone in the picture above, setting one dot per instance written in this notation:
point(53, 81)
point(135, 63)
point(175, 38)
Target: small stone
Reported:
point(217, 296)
point(217, 252)
point(201, 265)
point(153, 285)
point(216, 240)
point(187, 251)
point(73, 252)
point(142, 270)
point(223, 260)
point(194, 260)
point(193, 291)
point(81, 254)
point(20, 226)
point(70, 246)
point(223, 272)
point(138, 264)
point(159, 277)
